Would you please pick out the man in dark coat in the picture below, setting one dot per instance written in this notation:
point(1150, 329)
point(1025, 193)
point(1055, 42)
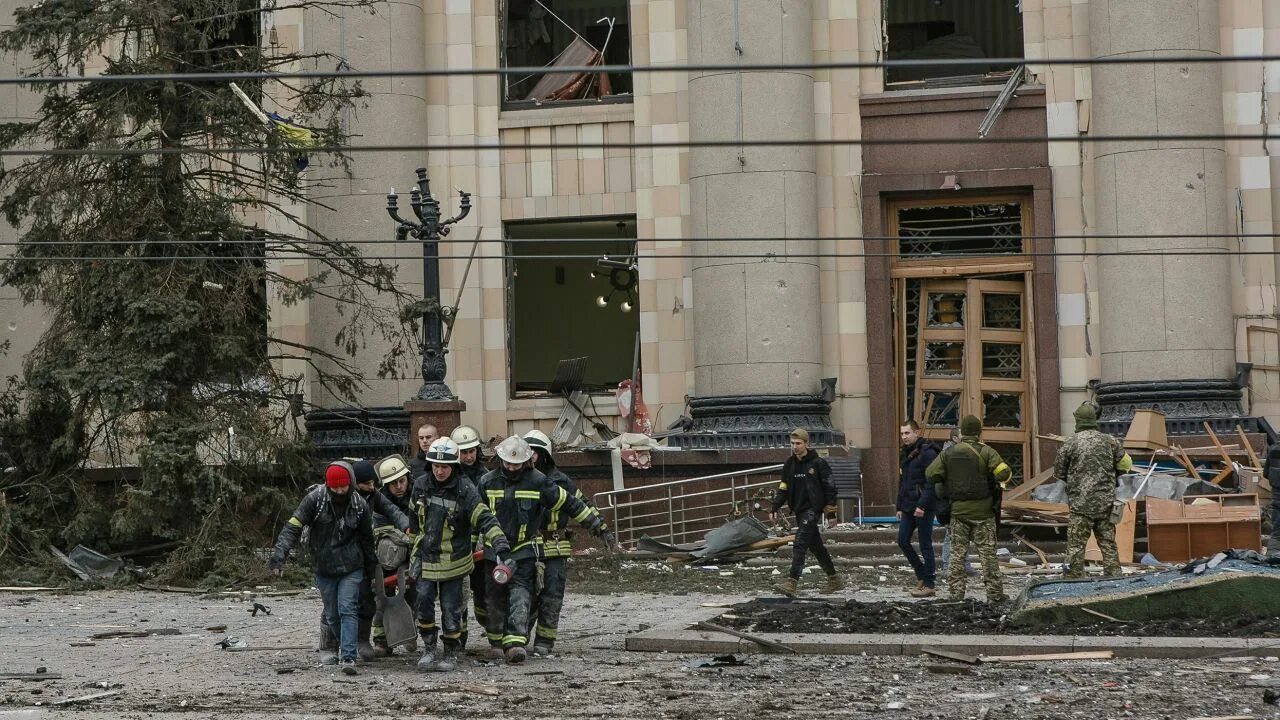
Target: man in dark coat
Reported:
point(916, 506)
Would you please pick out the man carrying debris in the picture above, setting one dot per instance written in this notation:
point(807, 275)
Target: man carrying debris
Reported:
point(386, 514)
point(915, 506)
point(807, 489)
point(971, 476)
point(342, 555)
point(557, 546)
point(521, 497)
point(1088, 463)
point(449, 511)
point(392, 545)
point(468, 440)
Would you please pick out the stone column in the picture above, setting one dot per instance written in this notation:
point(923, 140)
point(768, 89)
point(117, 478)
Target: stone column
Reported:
point(383, 37)
point(1167, 334)
point(757, 339)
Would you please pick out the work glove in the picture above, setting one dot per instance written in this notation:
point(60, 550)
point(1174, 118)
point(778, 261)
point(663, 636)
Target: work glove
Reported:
point(610, 542)
point(415, 569)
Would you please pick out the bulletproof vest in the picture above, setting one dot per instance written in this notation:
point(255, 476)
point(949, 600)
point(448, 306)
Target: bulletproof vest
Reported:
point(966, 472)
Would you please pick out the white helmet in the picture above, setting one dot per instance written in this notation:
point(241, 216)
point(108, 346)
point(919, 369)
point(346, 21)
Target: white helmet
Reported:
point(538, 440)
point(466, 437)
point(444, 451)
point(391, 468)
point(515, 450)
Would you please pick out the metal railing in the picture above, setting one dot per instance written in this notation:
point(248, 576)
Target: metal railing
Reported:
point(684, 510)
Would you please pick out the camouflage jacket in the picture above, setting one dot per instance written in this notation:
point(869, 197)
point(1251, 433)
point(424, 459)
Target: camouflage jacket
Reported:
point(1088, 462)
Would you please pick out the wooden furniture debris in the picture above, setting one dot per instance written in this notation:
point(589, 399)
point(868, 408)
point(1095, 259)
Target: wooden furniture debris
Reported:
point(1244, 442)
point(1124, 536)
point(1201, 525)
point(1147, 431)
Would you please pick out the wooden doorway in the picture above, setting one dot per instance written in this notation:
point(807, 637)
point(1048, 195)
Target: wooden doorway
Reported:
point(962, 324)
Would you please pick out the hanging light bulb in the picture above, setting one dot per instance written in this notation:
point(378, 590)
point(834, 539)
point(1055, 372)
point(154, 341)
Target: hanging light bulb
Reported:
point(601, 302)
point(626, 306)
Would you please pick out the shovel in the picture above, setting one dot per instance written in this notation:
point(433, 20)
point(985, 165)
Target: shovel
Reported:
point(397, 616)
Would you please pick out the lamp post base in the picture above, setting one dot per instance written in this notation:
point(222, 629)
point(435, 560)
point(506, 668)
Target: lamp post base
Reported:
point(444, 414)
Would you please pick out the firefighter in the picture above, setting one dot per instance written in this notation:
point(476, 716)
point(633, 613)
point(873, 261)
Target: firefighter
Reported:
point(557, 546)
point(470, 465)
point(449, 510)
point(521, 497)
point(342, 555)
point(392, 545)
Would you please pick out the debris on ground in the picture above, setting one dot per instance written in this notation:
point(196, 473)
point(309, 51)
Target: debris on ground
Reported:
point(716, 662)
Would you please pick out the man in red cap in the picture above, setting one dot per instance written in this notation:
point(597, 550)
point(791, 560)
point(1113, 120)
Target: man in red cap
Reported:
point(342, 552)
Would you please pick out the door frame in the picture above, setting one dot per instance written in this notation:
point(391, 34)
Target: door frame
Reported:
point(963, 271)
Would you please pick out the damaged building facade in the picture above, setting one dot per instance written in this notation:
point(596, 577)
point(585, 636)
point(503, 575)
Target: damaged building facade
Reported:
point(929, 280)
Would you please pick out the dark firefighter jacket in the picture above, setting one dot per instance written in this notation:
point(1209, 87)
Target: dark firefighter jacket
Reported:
point(557, 539)
point(385, 510)
point(339, 543)
point(523, 504)
point(449, 513)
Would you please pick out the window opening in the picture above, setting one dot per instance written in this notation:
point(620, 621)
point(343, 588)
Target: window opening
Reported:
point(561, 308)
point(566, 33)
point(949, 29)
point(968, 229)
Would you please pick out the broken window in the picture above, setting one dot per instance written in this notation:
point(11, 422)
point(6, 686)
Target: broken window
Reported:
point(968, 228)
point(565, 33)
point(567, 307)
point(951, 29)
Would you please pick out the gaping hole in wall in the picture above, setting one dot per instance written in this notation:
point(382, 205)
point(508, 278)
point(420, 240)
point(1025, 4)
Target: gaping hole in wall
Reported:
point(565, 33)
point(946, 29)
point(560, 308)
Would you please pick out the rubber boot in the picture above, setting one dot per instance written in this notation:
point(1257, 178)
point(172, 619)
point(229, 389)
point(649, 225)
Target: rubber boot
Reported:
point(366, 649)
point(787, 587)
point(427, 663)
point(516, 655)
point(380, 645)
point(834, 584)
point(448, 660)
point(542, 648)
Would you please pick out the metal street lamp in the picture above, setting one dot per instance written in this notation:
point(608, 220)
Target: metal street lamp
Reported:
point(429, 229)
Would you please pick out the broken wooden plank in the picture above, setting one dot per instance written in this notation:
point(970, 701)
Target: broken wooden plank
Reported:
point(1025, 488)
point(89, 698)
point(1213, 437)
point(135, 633)
point(1248, 447)
point(1102, 615)
point(270, 647)
point(951, 655)
point(1081, 655)
point(763, 642)
point(1044, 559)
point(172, 589)
point(20, 588)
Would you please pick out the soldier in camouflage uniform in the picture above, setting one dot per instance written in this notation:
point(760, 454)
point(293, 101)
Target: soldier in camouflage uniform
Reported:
point(971, 475)
point(1088, 463)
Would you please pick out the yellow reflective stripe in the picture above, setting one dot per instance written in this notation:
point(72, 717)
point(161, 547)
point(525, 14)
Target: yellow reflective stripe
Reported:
point(1125, 464)
point(426, 626)
point(475, 514)
point(448, 570)
point(782, 486)
point(586, 513)
point(514, 639)
point(545, 632)
point(522, 543)
point(528, 494)
point(561, 498)
point(1001, 469)
point(295, 522)
point(493, 533)
point(494, 496)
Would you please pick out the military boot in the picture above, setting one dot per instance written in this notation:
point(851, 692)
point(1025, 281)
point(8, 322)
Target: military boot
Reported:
point(787, 587)
point(834, 584)
point(542, 648)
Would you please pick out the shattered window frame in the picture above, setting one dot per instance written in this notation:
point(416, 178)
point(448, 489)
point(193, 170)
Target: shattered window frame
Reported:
point(971, 35)
point(574, 31)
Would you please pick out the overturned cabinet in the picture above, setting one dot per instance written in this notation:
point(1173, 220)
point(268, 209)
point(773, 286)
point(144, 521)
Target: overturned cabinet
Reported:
point(1202, 525)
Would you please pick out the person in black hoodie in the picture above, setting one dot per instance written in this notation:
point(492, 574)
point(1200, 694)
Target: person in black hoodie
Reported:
point(807, 489)
point(916, 506)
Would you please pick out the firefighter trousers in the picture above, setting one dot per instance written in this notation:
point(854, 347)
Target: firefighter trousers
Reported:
point(508, 605)
point(550, 600)
point(453, 609)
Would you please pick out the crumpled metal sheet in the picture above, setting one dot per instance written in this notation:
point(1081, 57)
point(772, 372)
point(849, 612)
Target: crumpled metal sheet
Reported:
point(734, 534)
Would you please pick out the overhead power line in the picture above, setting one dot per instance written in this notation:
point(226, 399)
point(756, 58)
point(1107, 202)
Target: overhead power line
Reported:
point(1174, 59)
point(665, 145)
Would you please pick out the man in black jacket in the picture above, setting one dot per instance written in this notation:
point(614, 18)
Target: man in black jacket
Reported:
point(342, 555)
point(807, 489)
point(385, 512)
point(916, 506)
point(427, 434)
